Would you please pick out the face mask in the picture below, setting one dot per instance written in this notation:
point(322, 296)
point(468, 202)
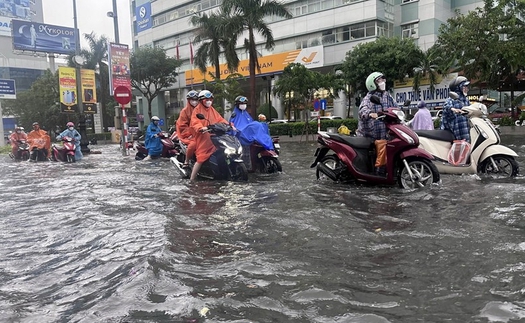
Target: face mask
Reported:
point(381, 86)
point(71, 128)
point(207, 104)
point(465, 90)
point(18, 131)
point(194, 103)
point(242, 107)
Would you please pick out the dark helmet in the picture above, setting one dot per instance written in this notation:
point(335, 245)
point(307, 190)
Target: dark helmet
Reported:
point(458, 83)
point(241, 99)
point(192, 95)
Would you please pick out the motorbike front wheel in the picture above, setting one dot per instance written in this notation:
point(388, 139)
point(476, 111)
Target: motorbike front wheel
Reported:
point(505, 166)
point(271, 165)
point(424, 173)
point(239, 172)
point(24, 155)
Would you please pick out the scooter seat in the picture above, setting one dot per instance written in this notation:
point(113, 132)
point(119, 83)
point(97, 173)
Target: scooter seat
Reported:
point(441, 135)
point(356, 142)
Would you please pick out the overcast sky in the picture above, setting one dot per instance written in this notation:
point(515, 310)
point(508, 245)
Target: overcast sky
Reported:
point(91, 16)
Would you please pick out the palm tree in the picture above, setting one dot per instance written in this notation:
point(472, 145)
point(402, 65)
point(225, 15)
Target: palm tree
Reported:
point(213, 36)
point(426, 68)
point(249, 15)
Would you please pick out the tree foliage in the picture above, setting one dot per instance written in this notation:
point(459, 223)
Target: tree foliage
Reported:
point(152, 71)
point(250, 16)
point(227, 89)
point(394, 57)
point(40, 103)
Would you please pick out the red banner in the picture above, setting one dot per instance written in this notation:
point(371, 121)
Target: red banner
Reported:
point(119, 73)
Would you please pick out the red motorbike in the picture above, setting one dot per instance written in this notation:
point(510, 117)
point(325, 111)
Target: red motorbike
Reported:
point(263, 160)
point(169, 148)
point(66, 153)
point(354, 157)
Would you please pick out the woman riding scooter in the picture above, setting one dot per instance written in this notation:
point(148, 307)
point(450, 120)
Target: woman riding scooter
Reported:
point(39, 143)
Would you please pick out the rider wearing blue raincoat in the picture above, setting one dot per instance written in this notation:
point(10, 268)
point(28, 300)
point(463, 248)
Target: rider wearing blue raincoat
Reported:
point(152, 140)
point(249, 131)
point(73, 133)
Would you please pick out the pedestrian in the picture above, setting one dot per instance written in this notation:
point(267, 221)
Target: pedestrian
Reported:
point(422, 119)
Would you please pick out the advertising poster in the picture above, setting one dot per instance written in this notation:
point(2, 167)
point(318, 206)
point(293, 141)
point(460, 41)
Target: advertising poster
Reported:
point(89, 92)
point(67, 86)
point(5, 26)
point(119, 66)
point(45, 38)
point(143, 14)
point(18, 9)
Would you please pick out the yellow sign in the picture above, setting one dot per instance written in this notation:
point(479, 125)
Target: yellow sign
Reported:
point(310, 57)
point(67, 87)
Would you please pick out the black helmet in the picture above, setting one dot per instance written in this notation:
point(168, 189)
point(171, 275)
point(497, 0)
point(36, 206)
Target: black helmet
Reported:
point(241, 99)
point(192, 95)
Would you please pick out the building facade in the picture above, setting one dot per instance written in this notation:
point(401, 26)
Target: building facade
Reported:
point(332, 26)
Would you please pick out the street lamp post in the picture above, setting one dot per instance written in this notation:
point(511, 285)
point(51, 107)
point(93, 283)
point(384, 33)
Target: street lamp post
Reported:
point(84, 142)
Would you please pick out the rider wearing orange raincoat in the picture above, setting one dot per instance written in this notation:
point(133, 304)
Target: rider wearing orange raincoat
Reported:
point(184, 131)
point(204, 146)
point(38, 139)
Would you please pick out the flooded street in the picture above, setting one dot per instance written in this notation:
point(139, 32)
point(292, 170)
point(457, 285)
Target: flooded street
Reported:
point(110, 239)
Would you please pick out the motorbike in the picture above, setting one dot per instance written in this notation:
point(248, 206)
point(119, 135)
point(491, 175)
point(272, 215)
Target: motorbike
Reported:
point(23, 151)
point(354, 157)
point(487, 155)
point(66, 153)
point(169, 148)
point(39, 152)
point(264, 160)
point(225, 163)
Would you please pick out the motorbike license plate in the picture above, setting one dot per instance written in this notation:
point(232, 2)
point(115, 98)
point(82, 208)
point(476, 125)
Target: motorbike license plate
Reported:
point(277, 146)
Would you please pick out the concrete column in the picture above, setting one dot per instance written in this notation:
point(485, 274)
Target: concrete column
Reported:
point(340, 104)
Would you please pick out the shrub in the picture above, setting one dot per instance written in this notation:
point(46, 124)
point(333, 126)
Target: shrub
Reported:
point(296, 128)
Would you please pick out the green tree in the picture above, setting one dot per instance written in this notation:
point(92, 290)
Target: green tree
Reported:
point(394, 57)
point(152, 71)
point(213, 36)
point(250, 16)
point(40, 103)
point(227, 89)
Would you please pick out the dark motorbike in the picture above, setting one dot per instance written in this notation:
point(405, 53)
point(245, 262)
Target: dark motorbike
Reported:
point(66, 153)
point(23, 151)
point(225, 163)
point(169, 148)
point(263, 160)
point(354, 157)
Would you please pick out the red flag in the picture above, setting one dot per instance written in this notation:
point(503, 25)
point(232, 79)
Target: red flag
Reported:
point(178, 54)
point(191, 53)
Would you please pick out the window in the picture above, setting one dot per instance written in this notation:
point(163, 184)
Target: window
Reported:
point(409, 31)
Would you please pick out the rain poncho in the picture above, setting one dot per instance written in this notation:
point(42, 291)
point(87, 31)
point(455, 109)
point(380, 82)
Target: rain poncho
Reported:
point(204, 147)
point(249, 130)
point(14, 138)
point(422, 120)
point(185, 133)
point(153, 143)
point(76, 136)
point(39, 139)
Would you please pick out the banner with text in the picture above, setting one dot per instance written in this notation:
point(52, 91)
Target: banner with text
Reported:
point(89, 91)
point(310, 57)
point(119, 74)
point(68, 89)
point(403, 90)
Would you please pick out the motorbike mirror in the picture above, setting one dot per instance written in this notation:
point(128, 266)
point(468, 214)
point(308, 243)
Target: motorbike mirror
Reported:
point(407, 103)
point(375, 99)
point(201, 116)
point(453, 95)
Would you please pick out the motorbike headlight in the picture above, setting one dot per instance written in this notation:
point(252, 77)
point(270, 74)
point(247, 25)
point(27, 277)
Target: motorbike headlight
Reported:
point(405, 136)
point(228, 150)
point(239, 151)
point(401, 115)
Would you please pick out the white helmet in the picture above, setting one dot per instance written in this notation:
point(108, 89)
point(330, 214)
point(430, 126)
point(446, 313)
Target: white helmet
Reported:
point(205, 94)
point(155, 118)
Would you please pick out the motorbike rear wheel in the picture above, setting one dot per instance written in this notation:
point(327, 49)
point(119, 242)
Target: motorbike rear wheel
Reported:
point(507, 167)
point(425, 173)
point(270, 165)
point(239, 172)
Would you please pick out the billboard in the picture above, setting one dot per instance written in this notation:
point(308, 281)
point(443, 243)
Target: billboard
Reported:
point(38, 37)
point(143, 16)
point(5, 26)
point(403, 90)
point(119, 74)
point(7, 89)
point(310, 57)
point(67, 81)
point(18, 9)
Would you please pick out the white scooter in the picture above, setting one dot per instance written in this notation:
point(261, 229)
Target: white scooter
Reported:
point(486, 155)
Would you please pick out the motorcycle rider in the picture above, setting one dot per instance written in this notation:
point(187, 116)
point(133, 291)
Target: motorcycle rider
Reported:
point(368, 126)
point(152, 140)
point(452, 119)
point(38, 139)
point(249, 131)
point(73, 133)
point(185, 132)
point(204, 147)
point(15, 139)
point(422, 119)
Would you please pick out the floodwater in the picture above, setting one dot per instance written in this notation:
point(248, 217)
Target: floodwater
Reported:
point(110, 239)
